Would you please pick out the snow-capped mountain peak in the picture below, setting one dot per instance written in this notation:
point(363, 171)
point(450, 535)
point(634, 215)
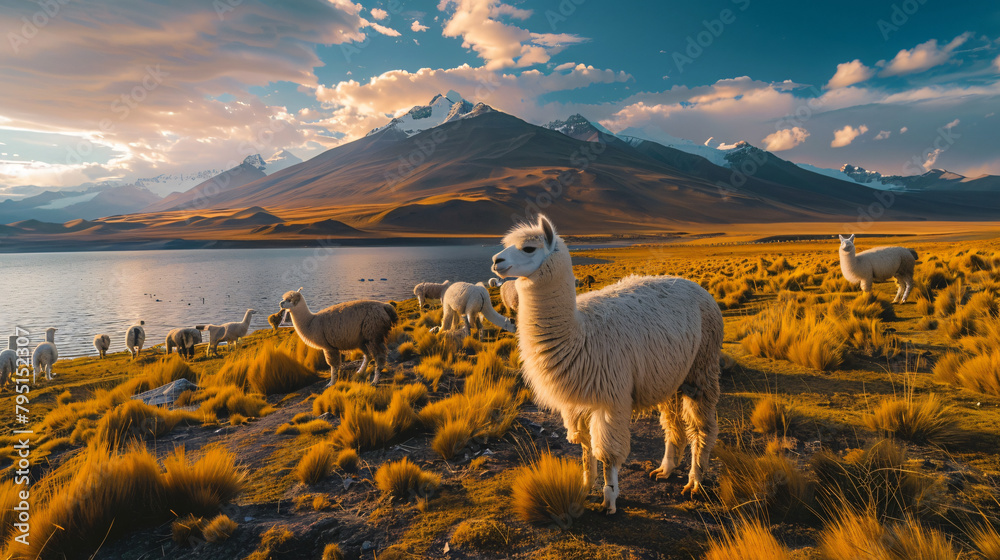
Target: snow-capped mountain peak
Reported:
point(255, 161)
point(281, 160)
point(441, 109)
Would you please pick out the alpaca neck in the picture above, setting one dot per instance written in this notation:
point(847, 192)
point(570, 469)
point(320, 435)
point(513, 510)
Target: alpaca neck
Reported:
point(547, 317)
point(246, 319)
point(12, 343)
point(50, 336)
point(301, 318)
point(848, 258)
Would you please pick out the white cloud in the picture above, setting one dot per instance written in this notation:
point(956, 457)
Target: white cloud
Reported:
point(903, 130)
point(882, 134)
point(388, 31)
point(932, 158)
point(785, 139)
point(379, 14)
point(416, 27)
point(844, 136)
point(850, 73)
point(923, 57)
point(952, 124)
point(499, 44)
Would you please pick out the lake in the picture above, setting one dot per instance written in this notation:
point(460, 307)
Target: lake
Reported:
point(86, 293)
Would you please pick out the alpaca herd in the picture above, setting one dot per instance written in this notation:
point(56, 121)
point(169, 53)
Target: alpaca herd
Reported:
point(595, 357)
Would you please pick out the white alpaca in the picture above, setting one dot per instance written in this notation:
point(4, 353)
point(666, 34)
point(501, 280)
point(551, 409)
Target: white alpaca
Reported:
point(508, 295)
point(101, 343)
point(45, 355)
point(135, 337)
point(8, 360)
point(878, 265)
point(429, 290)
point(363, 325)
point(644, 341)
point(470, 301)
point(229, 333)
point(495, 283)
point(184, 339)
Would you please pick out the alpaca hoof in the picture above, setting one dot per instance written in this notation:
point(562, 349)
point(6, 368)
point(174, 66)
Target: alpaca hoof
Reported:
point(660, 473)
point(692, 487)
point(610, 496)
point(573, 437)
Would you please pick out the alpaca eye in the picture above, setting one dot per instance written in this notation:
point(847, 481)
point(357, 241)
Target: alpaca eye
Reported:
point(529, 249)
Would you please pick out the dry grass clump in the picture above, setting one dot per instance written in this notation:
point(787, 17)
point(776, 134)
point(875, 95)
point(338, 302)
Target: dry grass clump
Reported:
point(230, 399)
point(550, 491)
point(432, 368)
point(748, 540)
point(443, 345)
point(487, 408)
point(986, 539)
point(771, 416)
point(167, 370)
point(348, 460)
point(107, 495)
point(877, 479)
point(452, 437)
point(788, 331)
point(269, 371)
point(948, 300)
point(362, 428)
point(306, 355)
point(316, 464)
point(407, 351)
point(854, 535)
point(344, 394)
point(187, 530)
point(135, 420)
point(220, 528)
point(270, 541)
point(768, 483)
point(312, 427)
point(9, 498)
point(404, 480)
point(332, 552)
point(924, 420)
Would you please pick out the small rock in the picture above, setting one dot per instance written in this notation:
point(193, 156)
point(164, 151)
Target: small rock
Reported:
point(248, 518)
point(367, 545)
point(447, 548)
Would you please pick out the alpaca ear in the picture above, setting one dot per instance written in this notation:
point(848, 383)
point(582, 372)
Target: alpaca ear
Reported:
point(548, 229)
point(299, 290)
point(851, 238)
point(840, 236)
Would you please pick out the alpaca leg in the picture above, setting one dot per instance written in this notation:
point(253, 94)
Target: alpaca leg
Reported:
point(866, 286)
point(332, 360)
point(899, 290)
point(364, 362)
point(908, 281)
point(698, 409)
point(609, 432)
point(379, 352)
point(674, 437)
point(581, 431)
point(571, 421)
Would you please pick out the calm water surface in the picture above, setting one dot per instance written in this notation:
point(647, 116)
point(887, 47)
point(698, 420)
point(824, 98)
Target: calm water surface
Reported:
point(83, 294)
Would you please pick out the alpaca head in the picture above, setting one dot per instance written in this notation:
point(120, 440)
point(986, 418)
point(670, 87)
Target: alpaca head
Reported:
point(847, 243)
point(290, 300)
point(525, 249)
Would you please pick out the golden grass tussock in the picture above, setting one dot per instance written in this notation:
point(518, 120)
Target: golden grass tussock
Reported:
point(348, 460)
point(313, 427)
point(220, 528)
point(771, 417)
point(920, 420)
point(64, 398)
point(407, 351)
point(432, 368)
point(948, 300)
point(877, 479)
point(135, 420)
point(311, 358)
point(332, 552)
point(550, 491)
point(316, 464)
point(485, 535)
point(856, 535)
point(748, 540)
point(442, 345)
point(363, 429)
point(169, 369)
point(230, 399)
point(268, 371)
point(452, 437)
point(9, 499)
point(789, 332)
point(986, 540)
point(344, 394)
point(202, 485)
point(187, 530)
point(270, 542)
point(403, 480)
point(770, 484)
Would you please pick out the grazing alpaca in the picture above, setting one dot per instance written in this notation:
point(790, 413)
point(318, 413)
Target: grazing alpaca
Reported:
point(363, 325)
point(429, 290)
point(644, 341)
point(135, 337)
point(184, 339)
point(494, 283)
point(101, 343)
point(469, 301)
point(276, 319)
point(878, 265)
point(226, 332)
point(45, 354)
point(8, 360)
point(508, 295)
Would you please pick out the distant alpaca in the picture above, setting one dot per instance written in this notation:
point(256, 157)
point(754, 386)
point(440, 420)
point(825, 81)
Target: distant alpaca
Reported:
point(588, 281)
point(495, 283)
point(597, 357)
point(101, 343)
point(878, 265)
point(135, 337)
point(429, 290)
point(8, 360)
point(276, 319)
point(508, 295)
point(229, 333)
point(215, 334)
point(184, 339)
point(362, 325)
point(469, 301)
point(45, 354)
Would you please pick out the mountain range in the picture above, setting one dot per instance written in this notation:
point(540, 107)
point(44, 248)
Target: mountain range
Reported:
point(456, 168)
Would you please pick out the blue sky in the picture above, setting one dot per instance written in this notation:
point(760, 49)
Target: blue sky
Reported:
point(106, 90)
